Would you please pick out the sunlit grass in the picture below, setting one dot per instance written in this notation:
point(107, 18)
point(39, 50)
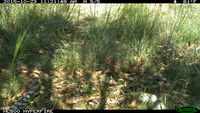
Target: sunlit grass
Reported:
point(18, 46)
point(147, 41)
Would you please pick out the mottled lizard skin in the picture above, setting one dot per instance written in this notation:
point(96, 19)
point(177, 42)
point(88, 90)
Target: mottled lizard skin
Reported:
point(23, 101)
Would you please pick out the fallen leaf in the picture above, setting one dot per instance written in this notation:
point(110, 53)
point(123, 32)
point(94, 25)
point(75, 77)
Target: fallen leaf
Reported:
point(160, 46)
point(80, 72)
point(96, 74)
point(35, 75)
point(41, 51)
point(59, 82)
point(125, 62)
point(110, 62)
point(141, 59)
point(24, 71)
point(58, 72)
point(46, 76)
point(36, 70)
point(190, 47)
point(133, 104)
point(92, 102)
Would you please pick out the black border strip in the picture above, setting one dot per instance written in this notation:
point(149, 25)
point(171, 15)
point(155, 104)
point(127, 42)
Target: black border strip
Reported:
point(114, 111)
point(99, 1)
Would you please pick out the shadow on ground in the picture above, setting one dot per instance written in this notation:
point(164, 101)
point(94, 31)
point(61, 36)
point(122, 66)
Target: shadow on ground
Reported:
point(45, 34)
point(177, 81)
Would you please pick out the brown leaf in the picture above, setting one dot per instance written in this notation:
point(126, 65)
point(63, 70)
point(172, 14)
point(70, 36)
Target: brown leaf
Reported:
point(110, 62)
point(133, 104)
point(80, 72)
point(142, 59)
point(24, 69)
point(125, 62)
point(46, 76)
point(58, 72)
point(96, 74)
point(35, 75)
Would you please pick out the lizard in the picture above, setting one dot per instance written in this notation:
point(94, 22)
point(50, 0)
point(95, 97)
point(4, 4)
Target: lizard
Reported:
point(25, 99)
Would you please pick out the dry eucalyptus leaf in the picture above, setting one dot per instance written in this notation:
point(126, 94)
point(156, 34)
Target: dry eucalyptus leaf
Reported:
point(133, 103)
point(96, 74)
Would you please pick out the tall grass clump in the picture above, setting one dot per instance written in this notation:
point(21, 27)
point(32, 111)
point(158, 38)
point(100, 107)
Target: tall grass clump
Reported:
point(18, 46)
point(129, 35)
point(136, 30)
point(68, 58)
point(25, 31)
